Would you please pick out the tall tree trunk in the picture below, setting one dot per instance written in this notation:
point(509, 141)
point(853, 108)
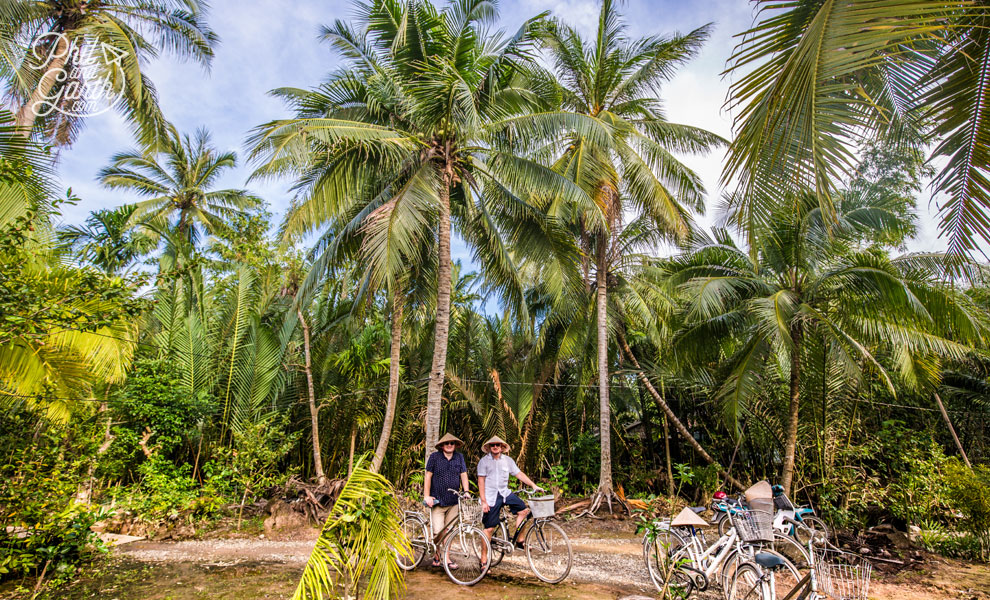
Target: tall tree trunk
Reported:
point(952, 430)
point(393, 380)
point(350, 455)
point(26, 114)
point(442, 330)
point(605, 420)
point(314, 413)
point(678, 425)
point(666, 455)
point(790, 435)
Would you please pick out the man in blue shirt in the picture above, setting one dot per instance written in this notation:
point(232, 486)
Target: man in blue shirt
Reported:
point(445, 470)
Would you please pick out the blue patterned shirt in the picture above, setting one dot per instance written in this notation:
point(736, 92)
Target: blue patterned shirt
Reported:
point(446, 475)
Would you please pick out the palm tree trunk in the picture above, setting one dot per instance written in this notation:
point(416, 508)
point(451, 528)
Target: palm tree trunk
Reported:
point(678, 425)
point(952, 430)
point(26, 114)
point(666, 455)
point(314, 413)
point(442, 330)
point(393, 381)
point(605, 420)
point(790, 436)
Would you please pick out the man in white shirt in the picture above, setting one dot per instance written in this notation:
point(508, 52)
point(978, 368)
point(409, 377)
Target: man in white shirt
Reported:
point(494, 470)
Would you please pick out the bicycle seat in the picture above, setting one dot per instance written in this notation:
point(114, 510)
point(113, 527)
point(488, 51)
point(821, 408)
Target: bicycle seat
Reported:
point(768, 561)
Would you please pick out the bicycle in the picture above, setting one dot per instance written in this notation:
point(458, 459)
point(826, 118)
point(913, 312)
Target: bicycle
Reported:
point(792, 526)
point(832, 573)
point(548, 549)
point(459, 543)
point(683, 562)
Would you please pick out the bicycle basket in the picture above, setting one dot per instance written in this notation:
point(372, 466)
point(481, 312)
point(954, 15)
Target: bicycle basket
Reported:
point(782, 502)
point(754, 525)
point(470, 510)
point(542, 506)
point(841, 575)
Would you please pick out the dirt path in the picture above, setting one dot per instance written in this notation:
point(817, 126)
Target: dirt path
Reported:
point(613, 563)
point(607, 564)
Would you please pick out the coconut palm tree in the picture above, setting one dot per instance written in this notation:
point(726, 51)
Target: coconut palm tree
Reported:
point(26, 174)
point(813, 78)
point(810, 280)
point(177, 186)
point(446, 158)
point(615, 81)
point(64, 31)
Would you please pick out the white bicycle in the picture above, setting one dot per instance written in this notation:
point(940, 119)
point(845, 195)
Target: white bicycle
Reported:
point(459, 543)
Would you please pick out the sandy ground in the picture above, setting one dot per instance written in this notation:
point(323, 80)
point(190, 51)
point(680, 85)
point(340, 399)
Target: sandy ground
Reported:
point(607, 565)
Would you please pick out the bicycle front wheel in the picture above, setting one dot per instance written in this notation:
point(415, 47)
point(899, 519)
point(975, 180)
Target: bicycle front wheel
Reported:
point(462, 553)
point(549, 551)
point(415, 531)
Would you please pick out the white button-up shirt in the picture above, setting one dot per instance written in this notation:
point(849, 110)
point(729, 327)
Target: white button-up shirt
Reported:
point(496, 474)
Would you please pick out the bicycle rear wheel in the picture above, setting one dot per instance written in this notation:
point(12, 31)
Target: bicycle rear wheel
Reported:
point(500, 541)
point(461, 555)
point(549, 551)
point(657, 550)
point(415, 531)
point(790, 548)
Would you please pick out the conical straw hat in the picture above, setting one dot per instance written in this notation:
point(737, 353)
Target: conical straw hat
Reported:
point(496, 440)
point(448, 438)
point(689, 518)
point(759, 491)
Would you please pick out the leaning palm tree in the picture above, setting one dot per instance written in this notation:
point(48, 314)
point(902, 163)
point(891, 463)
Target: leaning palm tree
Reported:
point(446, 159)
point(176, 185)
point(615, 81)
point(813, 78)
point(809, 280)
point(61, 33)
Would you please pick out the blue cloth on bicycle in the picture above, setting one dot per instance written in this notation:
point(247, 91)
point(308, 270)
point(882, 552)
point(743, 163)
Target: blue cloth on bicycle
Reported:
point(446, 475)
point(515, 504)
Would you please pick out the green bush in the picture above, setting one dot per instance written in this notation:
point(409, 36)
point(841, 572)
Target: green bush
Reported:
point(50, 534)
point(968, 495)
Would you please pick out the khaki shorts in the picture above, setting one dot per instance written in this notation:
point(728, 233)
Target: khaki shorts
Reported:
point(441, 516)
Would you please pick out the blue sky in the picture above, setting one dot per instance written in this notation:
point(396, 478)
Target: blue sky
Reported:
point(266, 44)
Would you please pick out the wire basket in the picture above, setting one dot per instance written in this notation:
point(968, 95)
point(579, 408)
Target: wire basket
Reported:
point(469, 510)
point(782, 502)
point(841, 575)
point(542, 507)
point(754, 525)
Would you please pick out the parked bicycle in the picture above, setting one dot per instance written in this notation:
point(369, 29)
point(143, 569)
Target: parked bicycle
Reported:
point(547, 547)
point(832, 573)
point(679, 560)
point(459, 543)
point(792, 526)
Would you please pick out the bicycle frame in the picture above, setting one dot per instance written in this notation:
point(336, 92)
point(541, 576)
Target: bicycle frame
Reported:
point(435, 539)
